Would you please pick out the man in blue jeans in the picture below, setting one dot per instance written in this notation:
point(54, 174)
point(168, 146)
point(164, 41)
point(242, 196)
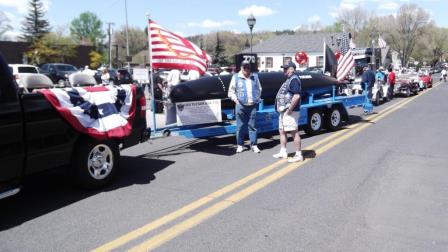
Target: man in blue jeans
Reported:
point(245, 91)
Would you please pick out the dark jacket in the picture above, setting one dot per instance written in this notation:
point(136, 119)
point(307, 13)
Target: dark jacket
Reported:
point(368, 78)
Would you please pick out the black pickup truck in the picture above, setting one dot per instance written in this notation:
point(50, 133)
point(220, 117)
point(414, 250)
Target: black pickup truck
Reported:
point(35, 138)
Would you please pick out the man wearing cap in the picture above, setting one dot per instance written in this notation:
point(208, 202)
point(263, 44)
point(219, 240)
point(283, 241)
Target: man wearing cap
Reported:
point(287, 103)
point(380, 75)
point(245, 91)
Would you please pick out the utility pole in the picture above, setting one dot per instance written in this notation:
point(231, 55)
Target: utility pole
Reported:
point(109, 33)
point(127, 36)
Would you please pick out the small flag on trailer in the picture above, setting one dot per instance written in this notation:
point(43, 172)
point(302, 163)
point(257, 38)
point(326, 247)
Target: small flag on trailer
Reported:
point(347, 61)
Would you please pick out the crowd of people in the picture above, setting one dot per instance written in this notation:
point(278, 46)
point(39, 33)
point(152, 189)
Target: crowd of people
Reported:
point(369, 77)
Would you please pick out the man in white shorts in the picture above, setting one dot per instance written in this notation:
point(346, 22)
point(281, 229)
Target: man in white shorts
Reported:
point(288, 105)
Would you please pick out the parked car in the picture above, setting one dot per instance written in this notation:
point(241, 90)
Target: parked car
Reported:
point(425, 81)
point(380, 93)
point(406, 84)
point(34, 138)
point(19, 70)
point(58, 72)
point(122, 76)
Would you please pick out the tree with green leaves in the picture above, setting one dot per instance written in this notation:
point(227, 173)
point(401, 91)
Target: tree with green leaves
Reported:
point(219, 56)
point(52, 47)
point(138, 41)
point(35, 25)
point(407, 29)
point(96, 59)
point(87, 29)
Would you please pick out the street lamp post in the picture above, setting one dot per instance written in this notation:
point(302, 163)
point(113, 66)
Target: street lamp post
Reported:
point(127, 35)
point(373, 35)
point(251, 22)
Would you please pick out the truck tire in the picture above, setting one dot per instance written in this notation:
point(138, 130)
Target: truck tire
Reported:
point(95, 162)
point(333, 119)
point(315, 121)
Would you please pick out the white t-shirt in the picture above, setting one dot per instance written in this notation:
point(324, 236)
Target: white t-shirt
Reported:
point(443, 72)
point(173, 77)
point(105, 78)
point(193, 75)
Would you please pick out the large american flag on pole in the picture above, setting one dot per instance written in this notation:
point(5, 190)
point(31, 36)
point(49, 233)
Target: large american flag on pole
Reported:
point(347, 61)
point(171, 51)
point(102, 112)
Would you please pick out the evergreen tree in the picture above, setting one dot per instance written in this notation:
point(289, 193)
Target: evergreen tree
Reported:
point(35, 25)
point(219, 55)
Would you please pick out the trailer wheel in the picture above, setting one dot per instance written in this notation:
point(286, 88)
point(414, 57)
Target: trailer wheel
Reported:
point(333, 119)
point(95, 162)
point(314, 124)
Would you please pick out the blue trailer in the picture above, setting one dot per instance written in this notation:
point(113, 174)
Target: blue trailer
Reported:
point(327, 111)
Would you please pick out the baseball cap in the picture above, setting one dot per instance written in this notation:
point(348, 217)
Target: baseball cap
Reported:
point(245, 62)
point(290, 64)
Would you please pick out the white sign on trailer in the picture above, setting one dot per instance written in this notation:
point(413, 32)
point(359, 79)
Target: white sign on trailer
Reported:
point(198, 112)
point(140, 74)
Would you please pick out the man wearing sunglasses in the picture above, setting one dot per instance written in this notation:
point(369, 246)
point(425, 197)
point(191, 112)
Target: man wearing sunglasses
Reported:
point(287, 103)
point(245, 91)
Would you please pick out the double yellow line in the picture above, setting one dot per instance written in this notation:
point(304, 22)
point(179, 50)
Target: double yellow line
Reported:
point(174, 231)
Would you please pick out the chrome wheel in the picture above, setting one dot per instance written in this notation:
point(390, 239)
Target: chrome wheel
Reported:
point(335, 118)
point(100, 161)
point(316, 122)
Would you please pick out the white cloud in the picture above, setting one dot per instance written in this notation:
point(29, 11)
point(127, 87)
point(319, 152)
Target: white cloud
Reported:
point(22, 5)
point(211, 24)
point(388, 6)
point(314, 19)
point(333, 14)
point(256, 10)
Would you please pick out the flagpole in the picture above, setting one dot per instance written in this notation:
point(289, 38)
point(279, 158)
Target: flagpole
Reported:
point(151, 81)
point(325, 56)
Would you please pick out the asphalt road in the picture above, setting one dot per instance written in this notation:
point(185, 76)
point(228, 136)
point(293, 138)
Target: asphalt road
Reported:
point(378, 185)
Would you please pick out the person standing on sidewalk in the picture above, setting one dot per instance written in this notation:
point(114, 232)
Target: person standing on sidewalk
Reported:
point(287, 103)
point(391, 80)
point(245, 91)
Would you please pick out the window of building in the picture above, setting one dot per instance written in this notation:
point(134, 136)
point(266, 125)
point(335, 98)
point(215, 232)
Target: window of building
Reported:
point(286, 60)
point(320, 61)
point(269, 62)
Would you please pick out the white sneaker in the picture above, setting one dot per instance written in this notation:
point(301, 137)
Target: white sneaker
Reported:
point(255, 149)
point(281, 155)
point(296, 158)
point(239, 149)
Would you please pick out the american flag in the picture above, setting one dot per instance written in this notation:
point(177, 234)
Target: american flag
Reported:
point(171, 51)
point(381, 42)
point(347, 61)
point(100, 112)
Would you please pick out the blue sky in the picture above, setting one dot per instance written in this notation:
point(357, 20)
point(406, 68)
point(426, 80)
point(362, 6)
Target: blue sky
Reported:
point(199, 16)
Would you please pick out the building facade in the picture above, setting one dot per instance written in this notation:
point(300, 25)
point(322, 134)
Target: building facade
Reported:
point(275, 52)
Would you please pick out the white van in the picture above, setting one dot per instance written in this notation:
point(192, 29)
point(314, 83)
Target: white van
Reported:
point(19, 70)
